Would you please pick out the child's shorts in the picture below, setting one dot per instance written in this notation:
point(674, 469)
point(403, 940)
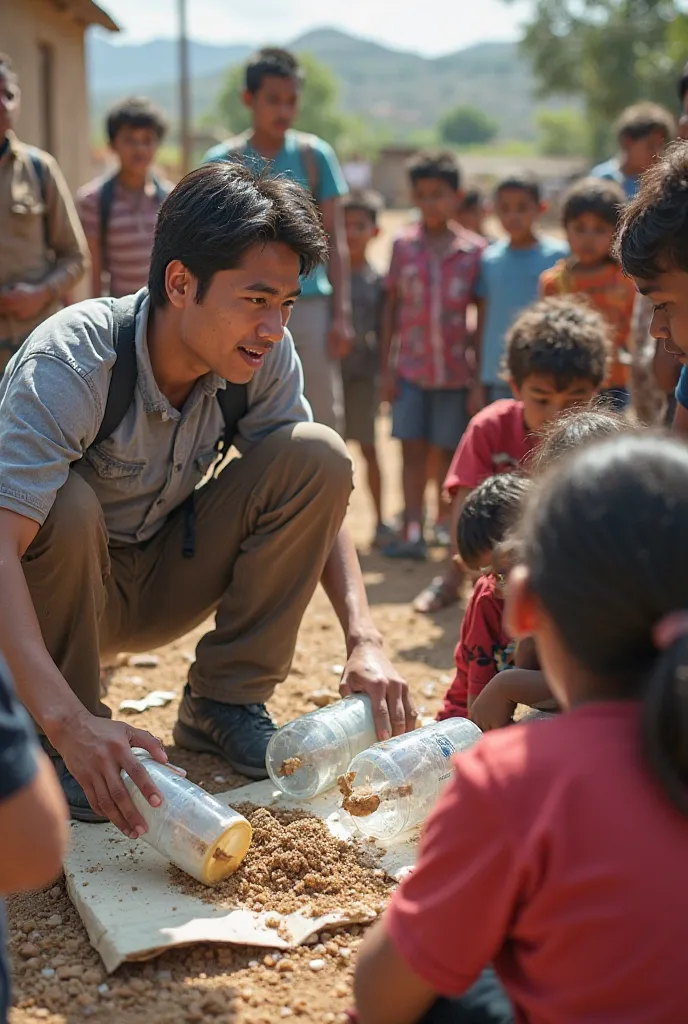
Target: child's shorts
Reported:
point(436, 415)
point(361, 400)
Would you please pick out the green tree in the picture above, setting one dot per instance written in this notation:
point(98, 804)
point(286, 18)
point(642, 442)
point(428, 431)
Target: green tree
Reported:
point(319, 113)
point(611, 53)
point(467, 126)
point(562, 132)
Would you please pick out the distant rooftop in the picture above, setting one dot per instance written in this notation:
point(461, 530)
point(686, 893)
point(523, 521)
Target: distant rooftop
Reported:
point(87, 11)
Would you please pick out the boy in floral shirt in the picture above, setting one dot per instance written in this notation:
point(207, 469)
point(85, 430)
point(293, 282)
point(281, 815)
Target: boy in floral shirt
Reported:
point(428, 362)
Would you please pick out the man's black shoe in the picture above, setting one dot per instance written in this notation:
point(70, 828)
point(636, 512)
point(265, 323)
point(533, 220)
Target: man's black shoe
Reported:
point(239, 733)
point(79, 807)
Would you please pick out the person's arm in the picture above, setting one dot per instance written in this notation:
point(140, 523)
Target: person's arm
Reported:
point(33, 826)
point(341, 330)
point(494, 706)
point(387, 990)
point(368, 669)
point(94, 749)
point(87, 205)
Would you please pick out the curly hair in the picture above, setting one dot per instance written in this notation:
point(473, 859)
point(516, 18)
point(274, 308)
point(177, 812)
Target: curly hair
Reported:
point(594, 195)
point(135, 112)
point(562, 338)
point(489, 512)
point(653, 234)
point(572, 430)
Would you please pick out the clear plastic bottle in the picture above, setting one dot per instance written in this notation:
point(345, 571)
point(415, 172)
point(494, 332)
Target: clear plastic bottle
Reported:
point(306, 756)
point(392, 786)
point(191, 828)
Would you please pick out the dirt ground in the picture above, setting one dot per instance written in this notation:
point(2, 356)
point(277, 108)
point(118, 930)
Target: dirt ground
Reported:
point(58, 977)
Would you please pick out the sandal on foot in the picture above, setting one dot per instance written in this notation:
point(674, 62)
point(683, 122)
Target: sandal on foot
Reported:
point(436, 596)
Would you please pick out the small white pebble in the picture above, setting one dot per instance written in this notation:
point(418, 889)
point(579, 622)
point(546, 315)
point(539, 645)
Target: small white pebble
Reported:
point(337, 670)
point(253, 963)
point(319, 948)
point(103, 989)
point(48, 972)
point(316, 965)
point(345, 953)
point(286, 1011)
point(219, 778)
point(144, 661)
point(54, 921)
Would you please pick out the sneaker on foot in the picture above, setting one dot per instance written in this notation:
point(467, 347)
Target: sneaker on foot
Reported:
point(239, 733)
point(416, 550)
point(384, 535)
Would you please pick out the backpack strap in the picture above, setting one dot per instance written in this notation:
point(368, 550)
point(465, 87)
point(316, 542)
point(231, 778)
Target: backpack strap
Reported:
point(106, 198)
point(39, 170)
point(311, 165)
point(125, 371)
point(233, 401)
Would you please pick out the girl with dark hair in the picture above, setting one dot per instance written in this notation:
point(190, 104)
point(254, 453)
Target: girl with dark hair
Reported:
point(558, 853)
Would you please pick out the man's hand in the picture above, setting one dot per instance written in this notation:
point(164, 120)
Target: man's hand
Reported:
point(341, 337)
point(369, 671)
point(492, 709)
point(24, 301)
point(95, 750)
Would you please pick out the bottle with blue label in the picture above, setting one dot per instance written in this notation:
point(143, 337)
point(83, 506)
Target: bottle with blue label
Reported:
point(392, 786)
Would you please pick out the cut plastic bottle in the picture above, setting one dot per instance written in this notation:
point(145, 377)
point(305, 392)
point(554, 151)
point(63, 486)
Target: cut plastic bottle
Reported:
point(392, 786)
point(190, 828)
point(307, 756)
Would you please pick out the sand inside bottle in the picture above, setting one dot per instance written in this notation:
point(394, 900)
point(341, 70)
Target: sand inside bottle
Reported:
point(362, 801)
point(225, 855)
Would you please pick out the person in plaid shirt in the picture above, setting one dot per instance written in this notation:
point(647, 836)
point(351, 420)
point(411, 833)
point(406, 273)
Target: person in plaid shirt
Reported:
point(428, 362)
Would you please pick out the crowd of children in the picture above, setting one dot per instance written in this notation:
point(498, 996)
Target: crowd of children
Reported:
point(507, 366)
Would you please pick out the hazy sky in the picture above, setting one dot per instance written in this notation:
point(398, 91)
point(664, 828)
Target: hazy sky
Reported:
point(445, 25)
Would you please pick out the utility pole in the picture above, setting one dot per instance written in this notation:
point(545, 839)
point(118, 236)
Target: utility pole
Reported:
point(184, 94)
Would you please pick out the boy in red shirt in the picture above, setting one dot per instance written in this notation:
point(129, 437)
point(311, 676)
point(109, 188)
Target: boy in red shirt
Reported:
point(556, 359)
point(426, 350)
point(558, 851)
point(484, 649)
point(590, 213)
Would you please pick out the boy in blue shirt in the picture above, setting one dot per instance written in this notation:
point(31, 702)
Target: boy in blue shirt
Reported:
point(509, 275)
point(320, 322)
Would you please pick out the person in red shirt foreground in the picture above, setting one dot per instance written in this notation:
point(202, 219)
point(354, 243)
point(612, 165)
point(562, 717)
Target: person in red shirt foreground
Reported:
point(558, 851)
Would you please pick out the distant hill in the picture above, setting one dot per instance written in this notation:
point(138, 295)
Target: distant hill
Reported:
point(401, 91)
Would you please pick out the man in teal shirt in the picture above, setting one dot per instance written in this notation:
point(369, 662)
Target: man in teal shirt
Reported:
point(321, 321)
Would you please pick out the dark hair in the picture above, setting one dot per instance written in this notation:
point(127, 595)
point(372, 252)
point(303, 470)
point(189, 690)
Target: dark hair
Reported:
point(438, 164)
point(488, 514)
point(367, 200)
point(524, 181)
point(594, 195)
point(217, 212)
point(653, 235)
point(563, 338)
point(135, 112)
point(275, 62)
point(572, 430)
point(7, 68)
point(603, 539)
point(642, 119)
point(682, 84)
point(473, 199)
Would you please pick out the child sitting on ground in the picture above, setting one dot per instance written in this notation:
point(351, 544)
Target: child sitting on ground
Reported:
point(426, 349)
point(483, 649)
point(360, 369)
point(493, 707)
point(556, 358)
point(591, 212)
point(558, 851)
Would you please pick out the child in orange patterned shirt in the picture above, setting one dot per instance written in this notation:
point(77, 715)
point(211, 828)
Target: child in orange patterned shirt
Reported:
point(590, 214)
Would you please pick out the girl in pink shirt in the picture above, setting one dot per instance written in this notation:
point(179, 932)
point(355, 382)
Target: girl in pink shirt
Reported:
point(558, 853)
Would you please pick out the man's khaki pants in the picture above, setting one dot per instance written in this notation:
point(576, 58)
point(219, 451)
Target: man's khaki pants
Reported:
point(264, 530)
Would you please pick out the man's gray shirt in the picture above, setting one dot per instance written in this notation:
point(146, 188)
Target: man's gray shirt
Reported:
point(52, 401)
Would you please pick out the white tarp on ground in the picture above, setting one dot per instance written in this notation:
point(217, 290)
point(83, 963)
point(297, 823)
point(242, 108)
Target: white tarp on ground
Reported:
point(133, 911)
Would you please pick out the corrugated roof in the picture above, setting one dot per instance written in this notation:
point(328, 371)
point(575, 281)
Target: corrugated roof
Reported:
point(89, 12)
